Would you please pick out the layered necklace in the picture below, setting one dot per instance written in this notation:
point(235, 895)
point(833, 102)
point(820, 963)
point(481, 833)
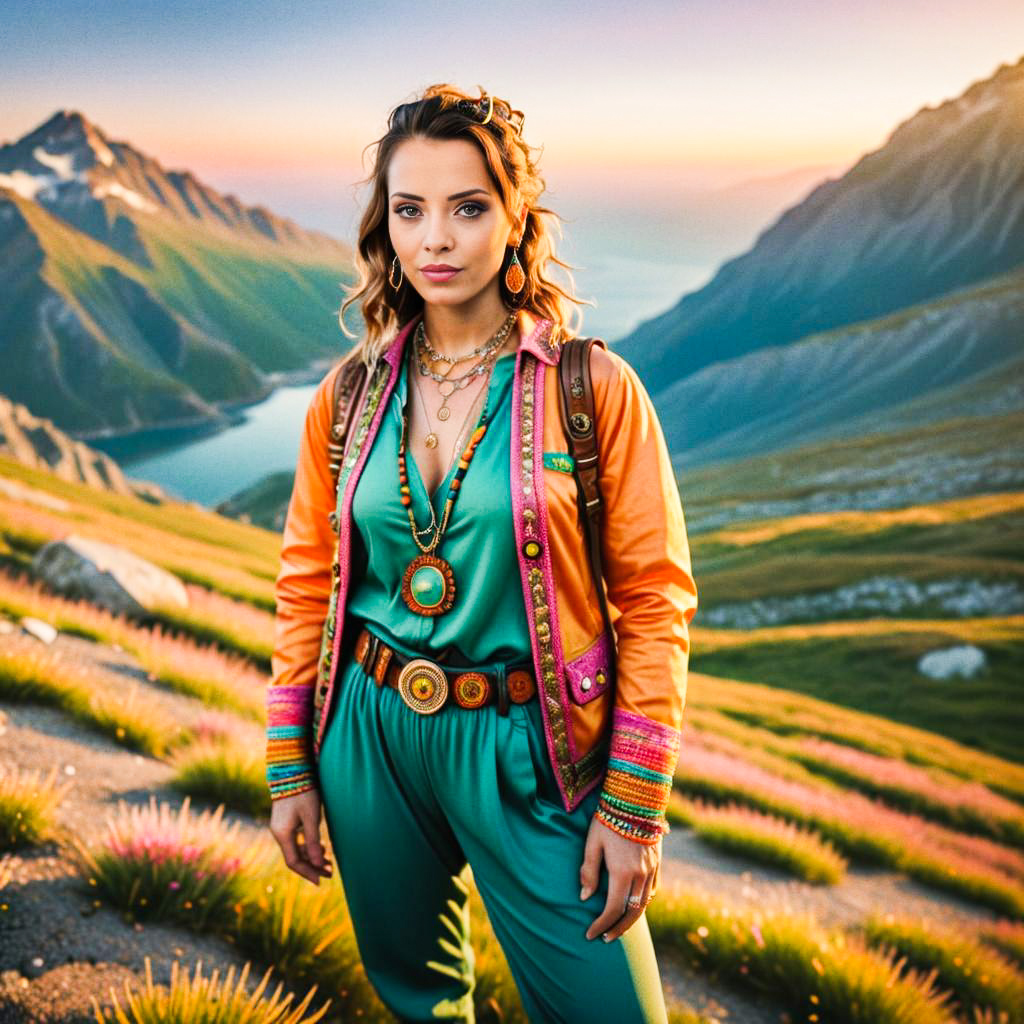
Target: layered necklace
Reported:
point(428, 584)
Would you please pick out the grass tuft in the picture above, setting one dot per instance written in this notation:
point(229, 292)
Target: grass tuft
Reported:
point(769, 840)
point(28, 803)
point(156, 865)
point(208, 1001)
point(980, 978)
point(223, 772)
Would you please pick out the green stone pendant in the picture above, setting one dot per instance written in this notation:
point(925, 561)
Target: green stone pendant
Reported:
point(428, 586)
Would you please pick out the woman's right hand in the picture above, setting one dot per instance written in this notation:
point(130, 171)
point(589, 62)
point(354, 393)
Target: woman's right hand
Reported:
point(290, 815)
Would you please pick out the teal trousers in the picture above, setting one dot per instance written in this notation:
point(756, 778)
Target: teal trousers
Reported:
point(410, 799)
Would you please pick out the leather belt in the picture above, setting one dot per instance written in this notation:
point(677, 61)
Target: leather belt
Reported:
point(427, 686)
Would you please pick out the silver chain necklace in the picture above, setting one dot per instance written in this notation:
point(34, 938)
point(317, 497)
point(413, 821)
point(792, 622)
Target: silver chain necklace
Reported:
point(447, 385)
point(478, 351)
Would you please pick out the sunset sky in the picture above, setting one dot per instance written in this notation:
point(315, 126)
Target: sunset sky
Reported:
point(633, 104)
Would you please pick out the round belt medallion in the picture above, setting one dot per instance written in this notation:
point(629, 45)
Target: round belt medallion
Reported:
point(423, 686)
point(428, 586)
point(521, 686)
point(471, 690)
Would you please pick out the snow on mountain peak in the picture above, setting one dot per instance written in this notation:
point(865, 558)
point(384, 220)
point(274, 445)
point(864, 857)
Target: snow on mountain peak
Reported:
point(66, 156)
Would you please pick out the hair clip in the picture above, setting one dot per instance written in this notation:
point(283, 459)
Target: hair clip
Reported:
point(485, 106)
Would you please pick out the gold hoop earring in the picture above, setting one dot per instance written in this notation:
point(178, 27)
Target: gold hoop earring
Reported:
point(514, 276)
point(391, 273)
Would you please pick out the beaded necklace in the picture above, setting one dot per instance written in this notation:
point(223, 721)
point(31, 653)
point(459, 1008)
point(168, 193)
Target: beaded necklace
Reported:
point(428, 583)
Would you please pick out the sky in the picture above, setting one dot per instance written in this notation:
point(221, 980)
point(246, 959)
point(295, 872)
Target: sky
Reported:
point(667, 131)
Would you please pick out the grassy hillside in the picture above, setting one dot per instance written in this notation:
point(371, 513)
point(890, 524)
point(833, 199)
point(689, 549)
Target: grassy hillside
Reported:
point(835, 605)
point(958, 456)
point(187, 539)
point(831, 569)
point(783, 801)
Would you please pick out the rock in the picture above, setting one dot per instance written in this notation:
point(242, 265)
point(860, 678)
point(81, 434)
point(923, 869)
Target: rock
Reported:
point(33, 967)
point(148, 491)
point(964, 660)
point(18, 491)
point(40, 630)
point(107, 575)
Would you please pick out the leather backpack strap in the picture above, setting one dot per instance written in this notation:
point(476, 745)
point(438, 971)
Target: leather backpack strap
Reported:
point(579, 420)
point(348, 385)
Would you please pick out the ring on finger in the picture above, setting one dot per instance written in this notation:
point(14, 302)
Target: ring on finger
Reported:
point(641, 899)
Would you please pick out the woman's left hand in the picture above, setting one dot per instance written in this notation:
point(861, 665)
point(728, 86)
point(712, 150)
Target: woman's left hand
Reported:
point(633, 870)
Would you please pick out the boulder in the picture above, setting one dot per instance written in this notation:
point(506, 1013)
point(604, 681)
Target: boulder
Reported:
point(107, 575)
point(962, 660)
point(42, 631)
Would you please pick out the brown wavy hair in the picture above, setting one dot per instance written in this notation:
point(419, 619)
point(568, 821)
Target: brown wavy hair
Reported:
point(446, 112)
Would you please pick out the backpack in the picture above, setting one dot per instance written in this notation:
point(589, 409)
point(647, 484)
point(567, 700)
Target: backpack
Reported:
point(578, 422)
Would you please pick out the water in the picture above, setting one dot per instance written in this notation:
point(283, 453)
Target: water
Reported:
point(217, 466)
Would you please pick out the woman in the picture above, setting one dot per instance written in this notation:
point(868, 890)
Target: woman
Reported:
point(472, 708)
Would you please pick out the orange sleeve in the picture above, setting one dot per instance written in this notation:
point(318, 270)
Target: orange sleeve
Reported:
point(302, 591)
point(648, 572)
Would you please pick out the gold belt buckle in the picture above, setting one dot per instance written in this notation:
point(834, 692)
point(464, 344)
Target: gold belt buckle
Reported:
point(423, 686)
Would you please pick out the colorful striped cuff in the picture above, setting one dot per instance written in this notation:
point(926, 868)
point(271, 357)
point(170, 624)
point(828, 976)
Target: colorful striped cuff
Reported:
point(641, 762)
point(290, 767)
point(300, 784)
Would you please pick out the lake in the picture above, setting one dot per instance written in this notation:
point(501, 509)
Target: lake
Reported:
point(211, 468)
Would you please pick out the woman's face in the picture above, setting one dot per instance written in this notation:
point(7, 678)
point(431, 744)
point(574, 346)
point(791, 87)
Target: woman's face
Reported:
point(444, 210)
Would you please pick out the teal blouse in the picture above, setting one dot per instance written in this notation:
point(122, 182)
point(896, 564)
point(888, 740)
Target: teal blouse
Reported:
point(488, 620)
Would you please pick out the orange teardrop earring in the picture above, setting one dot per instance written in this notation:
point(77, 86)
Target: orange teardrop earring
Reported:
point(514, 276)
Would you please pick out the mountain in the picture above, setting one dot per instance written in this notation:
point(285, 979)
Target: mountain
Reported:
point(263, 503)
point(939, 206)
point(133, 296)
point(958, 355)
point(39, 444)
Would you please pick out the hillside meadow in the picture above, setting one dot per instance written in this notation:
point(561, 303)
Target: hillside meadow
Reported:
point(847, 834)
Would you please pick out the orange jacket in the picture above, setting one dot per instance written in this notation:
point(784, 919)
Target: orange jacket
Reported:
point(629, 739)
